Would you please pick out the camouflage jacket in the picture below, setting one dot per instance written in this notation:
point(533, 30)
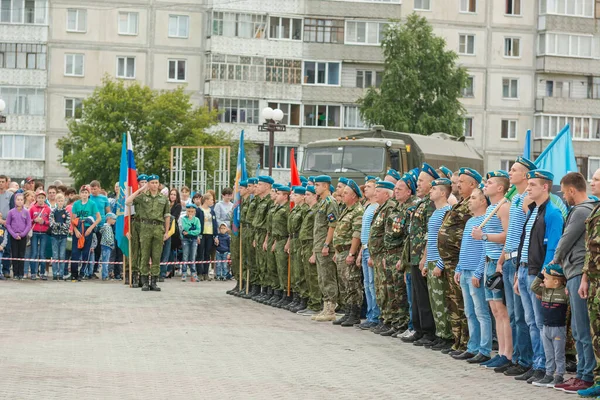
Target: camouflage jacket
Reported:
point(591, 265)
point(451, 232)
point(326, 217)
point(417, 230)
point(251, 212)
point(349, 226)
point(308, 223)
point(270, 212)
point(295, 219)
point(396, 226)
point(279, 221)
point(262, 210)
point(377, 234)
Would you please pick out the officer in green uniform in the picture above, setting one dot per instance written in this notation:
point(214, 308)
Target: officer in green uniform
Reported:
point(270, 280)
point(249, 256)
point(280, 234)
point(154, 217)
point(346, 241)
point(134, 244)
point(263, 190)
point(313, 304)
point(236, 240)
point(294, 249)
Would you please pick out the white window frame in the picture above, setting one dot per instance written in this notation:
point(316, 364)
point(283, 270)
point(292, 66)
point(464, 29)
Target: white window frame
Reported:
point(506, 164)
point(79, 12)
point(550, 7)
point(373, 82)
point(466, 37)
point(463, 7)
point(286, 116)
point(317, 62)
point(327, 115)
point(547, 126)
point(358, 123)
point(250, 112)
point(421, 5)
point(545, 41)
point(73, 108)
point(590, 171)
point(75, 55)
point(25, 145)
point(510, 134)
point(465, 93)
point(125, 60)
point(468, 125)
point(367, 24)
point(513, 14)
point(286, 155)
point(129, 15)
point(177, 61)
point(511, 40)
point(510, 84)
point(179, 18)
point(282, 17)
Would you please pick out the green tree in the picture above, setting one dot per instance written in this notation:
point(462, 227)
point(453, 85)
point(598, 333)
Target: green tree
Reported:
point(421, 83)
point(156, 121)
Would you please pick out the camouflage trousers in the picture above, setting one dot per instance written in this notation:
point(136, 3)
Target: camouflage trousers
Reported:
point(328, 279)
point(134, 247)
point(593, 304)
point(248, 254)
point(151, 245)
point(235, 256)
point(261, 259)
point(311, 276)
point(351, 278)
point(282, 260)
point(382, 292)
point(399, 311)
point(438, 287)
point(270, 277)
point(298, 280)
point(456, 308)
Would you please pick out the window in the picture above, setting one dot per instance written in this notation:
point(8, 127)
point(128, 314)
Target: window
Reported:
point(576, 8)
point(513, 7)
point(424, 5)
point(506, 165)
point(509, 129)
point(23, 11)
point(76, 20)
point(232, 111)
point(74, 64)
point(510, 88)
point(23, 101)
point(352, 118)
point(73, 108)
point(512, 47)
point(593, 87)
point(558, 89)
point(284, 71)
point(582, 128)
point(177, 70)
point(179, 26)
point(239, 25)
point(562, 44)
point(281, 156)
point(291, 113)
point(128, 23)
point(237, 68)
point(324, 30)
point(468, 127)
point(466, 44)
point(126, 67)
point(366, 79)
point(285, 28)
point(342, 159)
point(22, 55)
point(22, 147)
point(468, 6)
point(364, 32)
point(468, 90)
point(322, 73)
point(592, 166)
point(321, 115)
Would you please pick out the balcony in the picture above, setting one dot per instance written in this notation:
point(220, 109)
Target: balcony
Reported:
point(353, 9)
point(24, 77)
point(565, 23)
point(29, 123)
point(23, 33)
point(343, 52)
point(331, 94)
point(562, 105)
point(253, 47)
point(22, 168)
point(254, 90)
point(567, 65)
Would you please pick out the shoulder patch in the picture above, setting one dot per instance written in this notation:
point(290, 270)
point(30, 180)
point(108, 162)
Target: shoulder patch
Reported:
point(331, 217)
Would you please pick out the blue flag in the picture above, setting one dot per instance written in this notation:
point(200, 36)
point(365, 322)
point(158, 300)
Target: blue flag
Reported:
point(559, 156)
point(527, 149)
point(240, 175)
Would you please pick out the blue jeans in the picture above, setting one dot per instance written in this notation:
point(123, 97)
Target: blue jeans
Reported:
point(190, 246)
point(38, 251)
point(580, 325)
point(522, 351)
point(59, 249)
point(478, 316)
point(533, 315)
point(490, 269)
point(7, 254)
point(409, 298)
point(222, 269)
point(104, 259)
point(369, 283)
point(78, 255)
point(27, 263)
point(166, 253)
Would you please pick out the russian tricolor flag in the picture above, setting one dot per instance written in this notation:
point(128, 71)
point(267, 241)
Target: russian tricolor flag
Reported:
point(127, 184)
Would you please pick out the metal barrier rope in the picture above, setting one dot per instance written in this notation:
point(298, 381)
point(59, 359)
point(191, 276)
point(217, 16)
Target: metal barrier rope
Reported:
point(111, 262)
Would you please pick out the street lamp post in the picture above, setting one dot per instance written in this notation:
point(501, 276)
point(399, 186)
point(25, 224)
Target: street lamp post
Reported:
point(272, 124)
point(2, 107)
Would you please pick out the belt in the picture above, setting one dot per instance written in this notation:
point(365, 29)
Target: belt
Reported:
point(341, 248)
point(511, 255)
point(151, 222)
point(522, 264)
point(394, 250)
point(278, 237)
point(364, 246)
point(294, 235)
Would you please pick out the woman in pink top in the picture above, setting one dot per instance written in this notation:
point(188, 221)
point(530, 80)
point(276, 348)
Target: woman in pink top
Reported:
point(40, 217)
point(18, 223)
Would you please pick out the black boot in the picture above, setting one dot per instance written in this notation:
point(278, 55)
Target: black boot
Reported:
point(242, 291)
point(145, 286)
point(353, 318)
point(267, 296)
point(274, 298)
point(234, 290)
point(258, 292)
point(343, 319)
point(153, 284)
point(278, 299)
point(300, 306)
point(286, 300)
point(251, 291)
point(294, 303)
point(135, 280)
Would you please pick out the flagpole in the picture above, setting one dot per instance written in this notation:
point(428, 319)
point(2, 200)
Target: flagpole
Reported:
point(241, 257)
point(129, 258)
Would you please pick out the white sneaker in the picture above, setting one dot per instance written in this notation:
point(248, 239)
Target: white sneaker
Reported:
point(183, 278)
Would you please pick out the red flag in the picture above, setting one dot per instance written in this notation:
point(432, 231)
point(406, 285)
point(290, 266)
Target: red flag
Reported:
point(295, 176)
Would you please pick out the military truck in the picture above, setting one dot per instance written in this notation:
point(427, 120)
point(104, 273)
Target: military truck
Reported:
point(374, 152)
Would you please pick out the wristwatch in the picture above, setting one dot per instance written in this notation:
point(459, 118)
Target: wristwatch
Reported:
point(484, 237)
point(352, 254)
point(325, 245)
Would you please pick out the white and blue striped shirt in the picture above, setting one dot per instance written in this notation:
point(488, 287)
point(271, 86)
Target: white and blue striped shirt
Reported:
point(472, 252)
point(366, 222)
point(528, 227)
point(433, 228)
point(493, 250)
point(516, 221)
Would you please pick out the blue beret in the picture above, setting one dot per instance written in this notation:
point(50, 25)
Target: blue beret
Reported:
point(371, 178)
point(299, 190)
point(283, 188)
point(190, 205)
point(415, 173)
point(323, 178)
point(152, 177)
point(142, 177)
point(331, 188)
point(385, 185)
point(446, 171)
point(303, 179)
point(554, 270)
point(527, 163)
point(252, 181)
point(311, 179)
point(429, 170)
point(352, 185)
point(441, 182)
point(410, 182)
point(276, 186)
point(266, 179)
point(343, 180)
point(394, 174)
point(304, 184)
point(540, 173)
point(497, 174)
point(311, 189)
point(593, 198)
point(244, 183)
point(470, 172)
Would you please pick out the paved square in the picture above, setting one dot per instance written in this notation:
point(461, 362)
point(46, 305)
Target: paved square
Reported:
point(96, 340)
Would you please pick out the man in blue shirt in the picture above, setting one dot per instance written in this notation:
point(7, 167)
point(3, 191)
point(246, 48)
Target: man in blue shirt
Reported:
point(103, 206)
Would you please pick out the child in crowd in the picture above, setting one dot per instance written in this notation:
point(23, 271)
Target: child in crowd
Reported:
point(189, 226)
point(550, 284)
point(3, 243)
point(108, 244)
point(60, 223)
point(18, 223)
point(223, 241)
point(87, 269)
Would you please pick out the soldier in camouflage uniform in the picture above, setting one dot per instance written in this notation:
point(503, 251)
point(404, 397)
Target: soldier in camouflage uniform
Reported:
point(313, 305)
point(449, 241)
point(263, 190)
point(346, 242)
point(248, 233)
point(325, 221)
point(294, 249)
point(236, 240)
point(154, 216)
point(422, 317)
point(269, 279)
point(279, 232)
point(134, 245)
